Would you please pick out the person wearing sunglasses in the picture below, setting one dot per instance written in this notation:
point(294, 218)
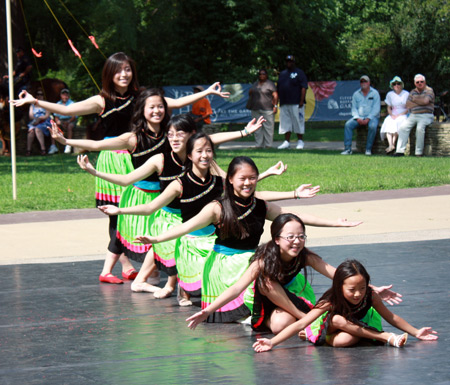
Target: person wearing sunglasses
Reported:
point(421, 107)
point(365, 112)
point(397, 111)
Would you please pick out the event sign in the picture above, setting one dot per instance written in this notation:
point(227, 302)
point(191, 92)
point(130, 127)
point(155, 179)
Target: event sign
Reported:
point(327, 100)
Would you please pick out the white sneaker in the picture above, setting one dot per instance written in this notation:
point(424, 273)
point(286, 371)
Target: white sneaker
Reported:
point(346, 152)
point(67, 149)
point(284, 145)
point(368, 152)
point(53, 150)
point(300, 145)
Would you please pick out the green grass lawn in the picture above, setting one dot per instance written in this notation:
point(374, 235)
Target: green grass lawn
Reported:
point(56, 182)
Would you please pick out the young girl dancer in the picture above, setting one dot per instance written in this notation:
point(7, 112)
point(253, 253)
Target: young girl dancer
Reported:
point(238, 218)
point(189, 193)
point(166, 167)
point(114, 105)
point(348, 311)
point(280, 294)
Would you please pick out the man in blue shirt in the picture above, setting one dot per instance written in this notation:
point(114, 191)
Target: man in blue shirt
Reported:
point(292, 85)
point(365, 112)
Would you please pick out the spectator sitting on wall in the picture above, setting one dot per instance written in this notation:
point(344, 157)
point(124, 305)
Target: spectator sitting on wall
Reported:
point(66, 123)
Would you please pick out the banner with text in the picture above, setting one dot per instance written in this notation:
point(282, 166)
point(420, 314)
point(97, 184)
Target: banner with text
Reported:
point(327, 100)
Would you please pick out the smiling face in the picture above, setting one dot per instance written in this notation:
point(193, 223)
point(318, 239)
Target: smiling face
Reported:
point(420, 83)
point(244, 181)
point(290, 249)
point(354, 289)
point(123, 77)
point(154, 110)
point(201, 156)
point(178, 140)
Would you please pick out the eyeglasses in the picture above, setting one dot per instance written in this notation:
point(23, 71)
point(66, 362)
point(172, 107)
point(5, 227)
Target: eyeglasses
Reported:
point(420, 81)
point(396, 84)
point(363, 81)
point(179, 134)
point(291, 238)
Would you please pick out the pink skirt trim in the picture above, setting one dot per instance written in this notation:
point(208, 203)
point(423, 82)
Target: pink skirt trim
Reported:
point(134, 247)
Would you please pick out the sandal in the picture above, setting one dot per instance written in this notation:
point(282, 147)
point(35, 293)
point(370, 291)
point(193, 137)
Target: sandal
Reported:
point(109, 278)
point(165, 292)
point(143, 287)
point(130, 274)
point(399, 340)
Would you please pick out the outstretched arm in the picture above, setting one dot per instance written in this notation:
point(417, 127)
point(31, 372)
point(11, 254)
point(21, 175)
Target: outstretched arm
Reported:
point(125, 141)
point(303, 191)
point(228, 295)
point(425, 333)
point(152, 165)
point(93, 105)
point(209, 214)
point(250, 128)
point(172, 191)
point(214, 89)
point(265, 344)
point(312, 220)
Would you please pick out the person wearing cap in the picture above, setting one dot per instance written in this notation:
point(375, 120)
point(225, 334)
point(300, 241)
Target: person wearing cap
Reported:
point(420, 104)
point(291, 87)
point(262, 101)
point(365, 112)
point(201, 110)
point(396, 108)
point(65, 122)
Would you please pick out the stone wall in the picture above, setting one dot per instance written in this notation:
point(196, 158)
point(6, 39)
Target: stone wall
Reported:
point(437, 140)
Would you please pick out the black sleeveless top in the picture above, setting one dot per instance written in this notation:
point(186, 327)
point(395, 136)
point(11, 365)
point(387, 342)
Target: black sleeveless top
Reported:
point(360, 310)
point(116, 116)
point(252, 214)
point(148, 145)
point(197, 194)
point(172, 168)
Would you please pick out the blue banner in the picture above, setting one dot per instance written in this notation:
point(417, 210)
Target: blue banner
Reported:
point(328, 100)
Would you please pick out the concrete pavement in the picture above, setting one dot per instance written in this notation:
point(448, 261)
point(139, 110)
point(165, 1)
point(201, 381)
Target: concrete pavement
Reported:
point(389, 216)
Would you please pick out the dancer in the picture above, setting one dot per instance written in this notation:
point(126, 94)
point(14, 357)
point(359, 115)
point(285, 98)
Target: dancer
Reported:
point(189, 193)
point(238, 218)
point(349, 311)
point(114, 105)
point(166, 167)
point(276, 292)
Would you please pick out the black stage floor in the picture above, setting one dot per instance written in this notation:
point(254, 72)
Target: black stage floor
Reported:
point(60, 326)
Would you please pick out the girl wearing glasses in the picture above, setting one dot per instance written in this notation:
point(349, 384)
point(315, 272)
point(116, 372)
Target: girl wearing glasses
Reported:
point(396, 107)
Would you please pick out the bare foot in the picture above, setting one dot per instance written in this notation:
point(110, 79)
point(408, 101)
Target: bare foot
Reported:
point(183, 298)
point(143, 287)
point(165, 292)
point(302, 335)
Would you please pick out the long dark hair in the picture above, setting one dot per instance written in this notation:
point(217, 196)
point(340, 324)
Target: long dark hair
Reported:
point(112, 66)
point(230, 225)
point(183, 122)
point(335, 295)
point(269, 255)
point(138, 122)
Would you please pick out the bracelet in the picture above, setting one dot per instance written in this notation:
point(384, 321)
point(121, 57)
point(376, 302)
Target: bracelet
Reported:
point(296, 196)
point(246, 132)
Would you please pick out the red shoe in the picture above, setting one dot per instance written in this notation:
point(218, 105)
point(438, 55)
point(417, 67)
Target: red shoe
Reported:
point(109, 278)
point(130, 274)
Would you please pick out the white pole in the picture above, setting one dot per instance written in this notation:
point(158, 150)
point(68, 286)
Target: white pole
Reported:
point(12, 124)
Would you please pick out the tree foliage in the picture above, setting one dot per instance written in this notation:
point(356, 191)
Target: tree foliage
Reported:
point(192, 41)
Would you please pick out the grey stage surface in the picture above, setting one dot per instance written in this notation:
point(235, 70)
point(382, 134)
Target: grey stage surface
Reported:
point(60, 326)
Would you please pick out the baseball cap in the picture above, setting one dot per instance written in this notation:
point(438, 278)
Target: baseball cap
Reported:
point(65, 91)
point(364, 77)
point(290, 57)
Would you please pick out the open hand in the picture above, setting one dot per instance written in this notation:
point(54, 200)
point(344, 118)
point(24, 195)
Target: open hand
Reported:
point(254, 125)
point(145, 239)
point(56, 133)
point(306, 191)
point(262, 345)
point(216, 89)
point(24, 98)
point(196, 319)
point(426, 334)
point(109, 209)
point(387, 295)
